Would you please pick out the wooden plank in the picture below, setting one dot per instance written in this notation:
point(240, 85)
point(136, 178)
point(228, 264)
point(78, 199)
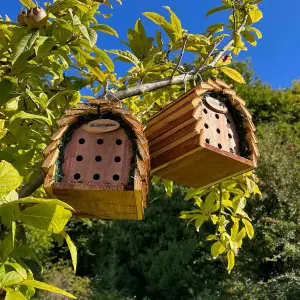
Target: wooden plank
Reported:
point(51, 147)
point(132, 122)
point(244, 111)
point(222, 84)
point(253, 147)
point(175, 143)
point(50, 160)
point(238, 100)
point(174, 154)
point(73, 112)
point(229, 92)
point(172, 131)
point(59, 133)
point(173, 106)
point(194, 128)
point(67, 121)
point(214, 85)
point(141, 168)
point(205, 167)
point(251, 135)
point(122, 111)
point(166, 125)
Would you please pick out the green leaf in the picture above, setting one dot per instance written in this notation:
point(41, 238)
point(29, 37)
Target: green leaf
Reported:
point(216, 9)
point(230, 258)
point(14, 295)
point(62, 31)
point(89, 34)
point(194, 192)
point(46, 287)
point(44, 48)
point(52, 218)
point(126, 56)
point(3, 130)
point(209, 203)
point(75, 99)
point(250, 38)
point(6, 248)
point(105, 59)
point(217, 249)
point(6, 87)
point(249, 228)
point(176, 24)
point(199, 221)
point(233, 74)
point(28, 3)
point(105, 28)
point(27, 253)
point(20, 270)
point(211, 237)
point(72, 249)
point(255, 15)
point(168, 187)
point(11, 278)
point(25, 115)
point(159, 40)
point(60, 5)
point(9, 178)
point(256, 31)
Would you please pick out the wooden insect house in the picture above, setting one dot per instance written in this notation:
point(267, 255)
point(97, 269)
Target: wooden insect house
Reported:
point(202, 138)
point(98, 162)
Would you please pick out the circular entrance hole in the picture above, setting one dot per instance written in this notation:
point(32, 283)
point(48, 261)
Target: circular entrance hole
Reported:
point(116, 177)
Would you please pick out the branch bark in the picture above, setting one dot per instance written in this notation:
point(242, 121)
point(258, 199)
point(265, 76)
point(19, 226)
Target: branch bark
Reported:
point(32, 186)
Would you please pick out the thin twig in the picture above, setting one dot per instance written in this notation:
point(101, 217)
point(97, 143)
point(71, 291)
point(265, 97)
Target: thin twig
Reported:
point(185, 38)
point(220, 210)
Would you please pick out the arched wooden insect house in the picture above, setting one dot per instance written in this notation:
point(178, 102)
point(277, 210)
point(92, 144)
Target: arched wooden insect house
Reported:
point(98, 162)
point(204, 137)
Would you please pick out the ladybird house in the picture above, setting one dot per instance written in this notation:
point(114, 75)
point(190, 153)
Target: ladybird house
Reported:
point(204, 137)
point(98, 162)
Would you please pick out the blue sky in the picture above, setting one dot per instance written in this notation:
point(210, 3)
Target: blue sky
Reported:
point(275, 58)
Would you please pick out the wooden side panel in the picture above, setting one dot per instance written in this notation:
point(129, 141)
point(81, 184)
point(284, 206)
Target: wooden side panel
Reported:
point(205, 167)
point(103, 204)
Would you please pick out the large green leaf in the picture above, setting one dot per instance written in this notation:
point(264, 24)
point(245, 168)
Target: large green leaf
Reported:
point(255, 15)
point(11, 278)
point(89, 34)
point(175, 23)
point(216, 9)
point(20, 270)
point(6, 87)
point(25, 115)
point(230, 258)
point(60, 5)
point(46, 287)
point(105, 28)
point(52, 218)
point(233, 74)
point(9, 178)
point(168, 187)
point(217, 249)
point(126, 56)
point(249, 228)
point(105, 59)
point(72, 249)
point(14, 295)
point(62, 31)
point(6, 248)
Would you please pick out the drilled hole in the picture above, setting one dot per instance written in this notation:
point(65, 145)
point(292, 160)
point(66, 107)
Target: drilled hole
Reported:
point(206, 126)
point(119, 142)
point(81, 141)
point(205, 110)
point(77, 176)
point(230, 135)
point(117, 159)
point(79, 158)
point(100, 141)
point(231, 150)
point(96, 177)
point(217, 116)
point(207, 141)
point(98, 158)
point(116, 177)
point(220, 146)
point(228, 121)
point(218, 131)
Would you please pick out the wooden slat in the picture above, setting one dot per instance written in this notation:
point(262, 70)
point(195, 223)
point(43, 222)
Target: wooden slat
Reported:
point(174, 135)
point(51, 147)
point(172, 107)
point(238, 100)
point(229, 92)
point(214, 85)
point(176, 142)
point(162, 127)
point(50, 160)
point(132, 122)
point(59, 133)
point(222, 84)
point(73, 112)
point(244, 111)
point(67, 121)
point(251, 135)
point(141, 168)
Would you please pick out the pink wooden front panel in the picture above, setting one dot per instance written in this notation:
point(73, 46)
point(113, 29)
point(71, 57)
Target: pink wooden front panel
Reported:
point(220, 130)
point(98, 158)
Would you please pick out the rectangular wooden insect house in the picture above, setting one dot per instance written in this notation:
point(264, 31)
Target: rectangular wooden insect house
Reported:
point(202, 138)
point(98, 162)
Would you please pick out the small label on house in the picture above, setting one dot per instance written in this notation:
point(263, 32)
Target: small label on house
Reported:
point(100, 126)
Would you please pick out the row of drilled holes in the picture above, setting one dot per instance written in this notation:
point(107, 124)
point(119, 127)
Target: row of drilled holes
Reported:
point(98, 158)
point(216, 115)
point(77, 176)
point(100, 141)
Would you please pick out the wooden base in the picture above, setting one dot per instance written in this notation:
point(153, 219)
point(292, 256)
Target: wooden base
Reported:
point(203, 167)
point(99, 203)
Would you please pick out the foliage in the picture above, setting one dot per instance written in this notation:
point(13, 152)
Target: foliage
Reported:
point(42, 73)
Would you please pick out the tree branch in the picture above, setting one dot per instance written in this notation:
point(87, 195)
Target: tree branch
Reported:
point(32, 186)
point(185, 38)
